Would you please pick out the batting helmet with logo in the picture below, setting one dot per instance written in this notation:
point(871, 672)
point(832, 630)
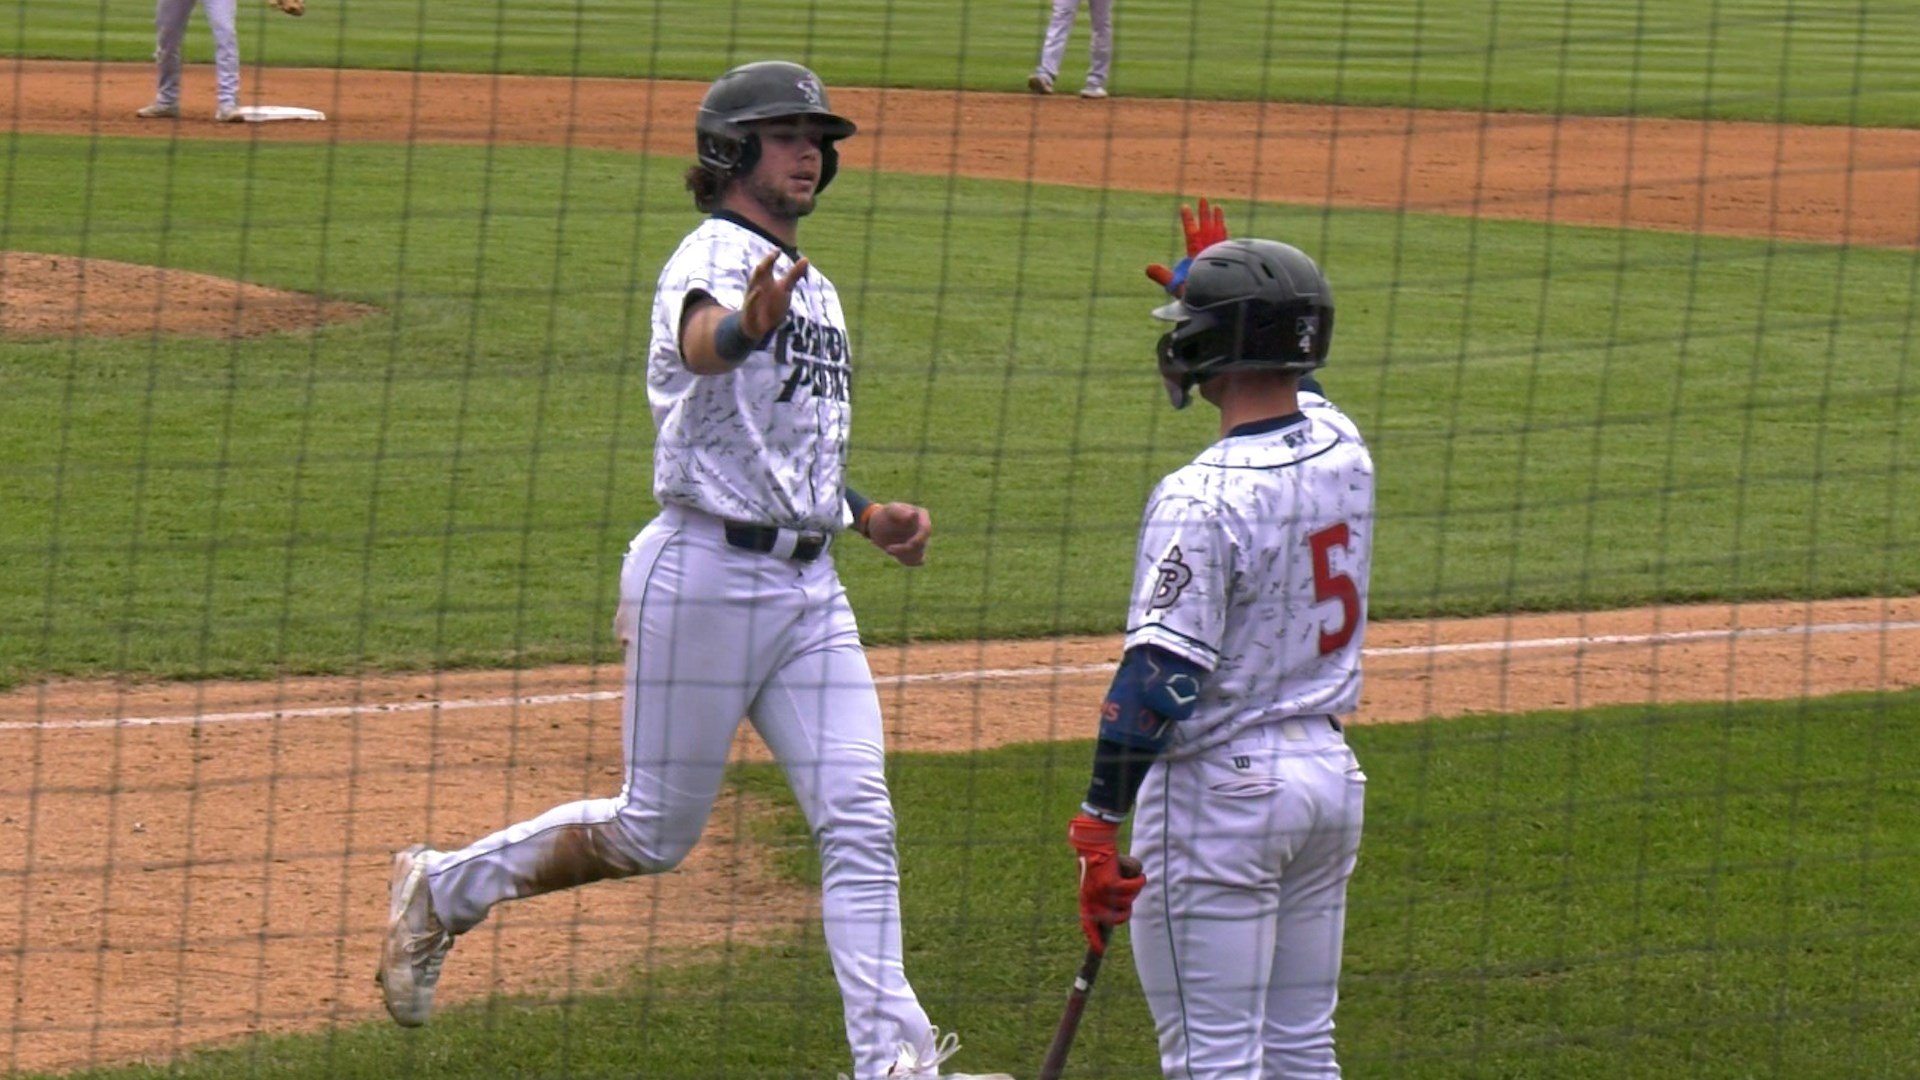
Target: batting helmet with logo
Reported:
point(765, 90)
point(1248, 305)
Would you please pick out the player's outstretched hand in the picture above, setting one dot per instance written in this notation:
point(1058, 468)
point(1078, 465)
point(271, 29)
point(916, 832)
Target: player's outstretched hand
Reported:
point(1202, 231)
point(1109, 882)
point(768, 297)
point(901, 530)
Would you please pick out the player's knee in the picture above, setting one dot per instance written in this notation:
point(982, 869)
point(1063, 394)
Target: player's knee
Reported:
point(645, 844)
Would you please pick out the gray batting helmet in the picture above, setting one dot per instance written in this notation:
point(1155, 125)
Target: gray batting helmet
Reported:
point(765, 90)
point(1249, 305)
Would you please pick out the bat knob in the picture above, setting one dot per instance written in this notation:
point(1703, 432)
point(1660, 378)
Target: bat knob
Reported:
point(1129, 867)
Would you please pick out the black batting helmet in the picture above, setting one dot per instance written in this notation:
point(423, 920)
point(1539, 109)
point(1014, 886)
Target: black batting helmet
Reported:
point(1249, 305)
point(765, 90)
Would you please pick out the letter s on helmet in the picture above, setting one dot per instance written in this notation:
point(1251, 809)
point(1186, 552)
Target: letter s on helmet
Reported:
point(765, 90)
point(1249, 305)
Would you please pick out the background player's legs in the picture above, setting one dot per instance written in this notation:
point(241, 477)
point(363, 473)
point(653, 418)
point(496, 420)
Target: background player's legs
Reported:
point(1101, 54)
point(708, 620)
point(226, 51)
point(1054, 48)
point(169, 28)
point(1305, 983)
point(821, 718)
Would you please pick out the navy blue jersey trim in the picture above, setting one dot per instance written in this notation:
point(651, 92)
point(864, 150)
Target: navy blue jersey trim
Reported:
point(730, 216)
point(1196, 642)
point(1328, 449)
point(1271, 423)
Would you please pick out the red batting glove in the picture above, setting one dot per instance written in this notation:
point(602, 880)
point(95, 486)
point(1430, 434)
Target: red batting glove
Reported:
point(1202, 231)
point(1107, 888)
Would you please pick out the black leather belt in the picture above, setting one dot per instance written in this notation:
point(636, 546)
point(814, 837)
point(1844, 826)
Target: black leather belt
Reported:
point(805, 546)
point(1335, 721)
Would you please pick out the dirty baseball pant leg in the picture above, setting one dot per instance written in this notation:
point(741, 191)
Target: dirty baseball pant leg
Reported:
point(702, 627)
point(226, 50)
point(169, 30)
point(820, 716)
point(1053, 47)
point(1101, 66)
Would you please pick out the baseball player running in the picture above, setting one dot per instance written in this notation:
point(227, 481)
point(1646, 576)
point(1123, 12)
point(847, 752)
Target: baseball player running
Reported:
point(1220, 733)
point(170, 28)
point(730, 605)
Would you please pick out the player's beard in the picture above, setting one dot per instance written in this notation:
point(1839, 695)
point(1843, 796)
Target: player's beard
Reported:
point(776, 200)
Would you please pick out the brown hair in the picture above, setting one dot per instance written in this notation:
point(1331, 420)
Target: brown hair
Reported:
point(708, 188)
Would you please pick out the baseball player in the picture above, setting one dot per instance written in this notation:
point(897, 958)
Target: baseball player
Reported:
point(1053, 48)
point(730, 605)
point(1221, 731)
point(170, 27)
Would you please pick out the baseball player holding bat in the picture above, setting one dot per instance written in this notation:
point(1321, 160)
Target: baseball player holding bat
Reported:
point(1221, 734)
point(730, 605)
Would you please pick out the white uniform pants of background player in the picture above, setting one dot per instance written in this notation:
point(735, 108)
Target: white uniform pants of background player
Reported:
point(1247, 849)
point(716, 633)
point(170, 29)
point(1054, 48)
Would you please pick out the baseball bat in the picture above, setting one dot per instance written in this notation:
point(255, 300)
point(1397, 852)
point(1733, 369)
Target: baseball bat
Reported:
point(1069, 1026)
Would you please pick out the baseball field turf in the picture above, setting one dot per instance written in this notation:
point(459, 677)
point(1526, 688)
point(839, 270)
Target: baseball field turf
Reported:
point(1565, 419)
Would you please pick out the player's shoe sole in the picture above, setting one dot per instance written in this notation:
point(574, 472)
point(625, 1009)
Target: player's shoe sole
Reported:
point(416, 944)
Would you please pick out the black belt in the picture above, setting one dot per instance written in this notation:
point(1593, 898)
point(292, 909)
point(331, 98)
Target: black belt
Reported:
point(1335, 721)
point(807, 546)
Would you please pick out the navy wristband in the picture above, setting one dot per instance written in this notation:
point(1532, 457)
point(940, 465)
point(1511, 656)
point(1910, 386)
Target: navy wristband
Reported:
point(730, 340)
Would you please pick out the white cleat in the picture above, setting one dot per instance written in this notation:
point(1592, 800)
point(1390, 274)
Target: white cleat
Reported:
point(1093, 93)
point(416, 944)
point(227, 114)
point(924, 1063)
point(1040, 83)
point(158, 110)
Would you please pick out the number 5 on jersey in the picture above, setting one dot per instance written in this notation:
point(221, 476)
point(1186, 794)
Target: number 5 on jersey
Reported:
point(1328, 585)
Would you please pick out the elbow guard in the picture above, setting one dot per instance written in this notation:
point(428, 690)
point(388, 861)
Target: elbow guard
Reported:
point(1152, 691)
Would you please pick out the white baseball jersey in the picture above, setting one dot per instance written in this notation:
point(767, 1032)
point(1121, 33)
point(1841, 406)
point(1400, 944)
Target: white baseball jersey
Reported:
point(767, 442)
point(1253, 565)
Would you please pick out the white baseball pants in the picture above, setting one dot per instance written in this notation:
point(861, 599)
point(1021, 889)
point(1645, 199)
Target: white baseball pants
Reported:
point(1247, 850)
point(715, 633)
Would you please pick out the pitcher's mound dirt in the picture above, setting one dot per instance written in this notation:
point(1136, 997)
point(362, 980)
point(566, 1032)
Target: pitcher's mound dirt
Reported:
point(60, 296)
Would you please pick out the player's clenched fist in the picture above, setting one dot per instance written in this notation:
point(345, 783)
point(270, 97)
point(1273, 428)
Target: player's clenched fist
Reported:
point(1202, 231)
point(899, 529)
point(1109, 882)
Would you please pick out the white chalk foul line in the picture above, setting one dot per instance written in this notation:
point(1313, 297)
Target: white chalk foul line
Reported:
point(973, 675)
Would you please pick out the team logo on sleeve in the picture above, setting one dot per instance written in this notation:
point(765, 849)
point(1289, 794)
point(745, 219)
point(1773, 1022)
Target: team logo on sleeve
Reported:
point(1175, 576)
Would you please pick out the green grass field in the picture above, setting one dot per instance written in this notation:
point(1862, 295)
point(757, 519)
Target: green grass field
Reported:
point(1712, 892)
point(453, 482)
point(1820, 62)
point(1564, 419)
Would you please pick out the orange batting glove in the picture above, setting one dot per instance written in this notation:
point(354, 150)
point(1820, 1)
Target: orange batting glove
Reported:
point(1109, 882)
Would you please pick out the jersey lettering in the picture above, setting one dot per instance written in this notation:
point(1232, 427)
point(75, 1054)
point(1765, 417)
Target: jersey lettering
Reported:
point(818, 358)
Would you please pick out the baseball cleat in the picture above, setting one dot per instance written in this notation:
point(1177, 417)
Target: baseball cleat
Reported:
point(1039, 83)
point(416, 944)
point(158, 110)
point(1093, 93)
point(227, 114)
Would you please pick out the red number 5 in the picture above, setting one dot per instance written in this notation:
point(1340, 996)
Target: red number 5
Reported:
point(1328, 585)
